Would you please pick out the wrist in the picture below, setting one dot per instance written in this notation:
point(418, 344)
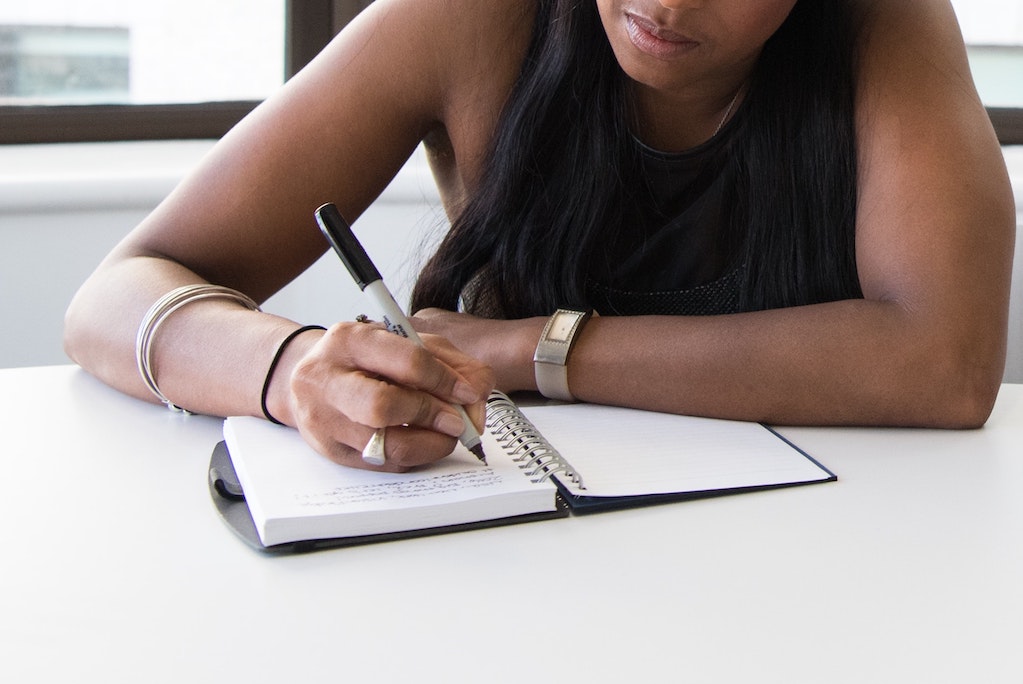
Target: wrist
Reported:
point(511, 357)
point(525, 367)
point(276, 399)
point(550, 360)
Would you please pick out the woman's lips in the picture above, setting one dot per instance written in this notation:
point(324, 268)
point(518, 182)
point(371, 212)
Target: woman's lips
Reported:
point(654, 40)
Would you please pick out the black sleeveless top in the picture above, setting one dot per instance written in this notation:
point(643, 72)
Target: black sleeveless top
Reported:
point(673, 256)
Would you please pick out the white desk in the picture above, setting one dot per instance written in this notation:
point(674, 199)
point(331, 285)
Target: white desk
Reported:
point(116, 568)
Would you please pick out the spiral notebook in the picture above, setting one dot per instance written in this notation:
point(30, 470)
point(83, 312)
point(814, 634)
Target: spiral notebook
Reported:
point(544, 461)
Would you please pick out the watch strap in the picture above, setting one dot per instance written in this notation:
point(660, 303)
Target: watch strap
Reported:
point(550, 361)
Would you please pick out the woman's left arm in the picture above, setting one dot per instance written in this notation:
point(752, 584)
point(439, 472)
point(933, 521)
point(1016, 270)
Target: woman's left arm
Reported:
point(934, 240)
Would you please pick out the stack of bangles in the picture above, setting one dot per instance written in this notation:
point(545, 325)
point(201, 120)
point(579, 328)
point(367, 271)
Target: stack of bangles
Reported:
point(174, 300)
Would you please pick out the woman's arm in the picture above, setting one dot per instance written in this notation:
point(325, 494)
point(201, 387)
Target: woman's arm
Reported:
point(338, 131)
point(935, 231)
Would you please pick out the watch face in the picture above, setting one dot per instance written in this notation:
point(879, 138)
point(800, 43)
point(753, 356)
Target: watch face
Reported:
point(561, 326)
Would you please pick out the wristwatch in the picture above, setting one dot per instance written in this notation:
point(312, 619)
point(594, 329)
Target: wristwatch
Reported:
point(551, 356)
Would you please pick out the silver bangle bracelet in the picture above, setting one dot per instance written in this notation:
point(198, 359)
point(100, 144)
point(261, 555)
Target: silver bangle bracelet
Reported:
point(158, 313)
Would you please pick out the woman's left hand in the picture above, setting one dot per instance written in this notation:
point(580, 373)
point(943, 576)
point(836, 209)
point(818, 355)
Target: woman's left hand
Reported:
point(506, 346)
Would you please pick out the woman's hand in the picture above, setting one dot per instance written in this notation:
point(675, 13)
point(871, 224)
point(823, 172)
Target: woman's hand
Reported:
point(359, 377)
point(506, 346)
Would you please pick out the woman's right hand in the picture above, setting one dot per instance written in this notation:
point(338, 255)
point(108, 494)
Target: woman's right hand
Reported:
point(359, 377)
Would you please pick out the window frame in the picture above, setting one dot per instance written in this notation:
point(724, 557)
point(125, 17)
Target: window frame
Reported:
point(1008, 124)
point(309, 26)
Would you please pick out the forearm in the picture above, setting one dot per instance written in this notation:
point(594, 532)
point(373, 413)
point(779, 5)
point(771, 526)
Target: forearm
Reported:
point(210, 356)
point(854, 362)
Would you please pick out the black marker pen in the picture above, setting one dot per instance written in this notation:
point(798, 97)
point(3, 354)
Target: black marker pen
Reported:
point(340, 236)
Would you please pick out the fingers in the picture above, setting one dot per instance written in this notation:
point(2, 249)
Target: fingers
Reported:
point(405, 447)
point(394, 381)
point(359, 378)
point(438, 368)
point(377, 402)
point(469, 370)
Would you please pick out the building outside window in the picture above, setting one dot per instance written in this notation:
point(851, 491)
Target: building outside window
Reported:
point(66, 64)
point(128, 52)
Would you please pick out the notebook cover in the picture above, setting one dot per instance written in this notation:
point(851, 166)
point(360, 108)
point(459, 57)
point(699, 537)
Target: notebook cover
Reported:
point(229, 500)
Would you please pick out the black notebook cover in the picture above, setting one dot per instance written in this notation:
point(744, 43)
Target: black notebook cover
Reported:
point(229, 500)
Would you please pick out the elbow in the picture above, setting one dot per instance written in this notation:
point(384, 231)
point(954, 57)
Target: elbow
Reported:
point(963, 396)
point(83, 333)
point(947, 369)
point(968, 410)
point(72, 334)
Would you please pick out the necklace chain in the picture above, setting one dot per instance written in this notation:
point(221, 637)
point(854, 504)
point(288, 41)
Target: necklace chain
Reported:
point(728, 111)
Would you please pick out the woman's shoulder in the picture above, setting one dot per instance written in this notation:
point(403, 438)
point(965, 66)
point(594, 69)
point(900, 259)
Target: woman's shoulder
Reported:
point(899, 30)
point(452, 27)
point(474, 51)
point(457, 50)
point(484, 39)
point(912, 62)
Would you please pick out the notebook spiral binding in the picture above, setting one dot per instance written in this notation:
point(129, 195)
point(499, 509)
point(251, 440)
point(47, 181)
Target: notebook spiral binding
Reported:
point(527, 447)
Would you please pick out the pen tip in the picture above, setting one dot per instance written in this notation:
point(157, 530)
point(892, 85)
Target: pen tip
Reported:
point(477, 451)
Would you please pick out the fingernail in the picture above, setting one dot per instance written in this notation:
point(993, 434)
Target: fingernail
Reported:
point(465, 393)
point(450, 424)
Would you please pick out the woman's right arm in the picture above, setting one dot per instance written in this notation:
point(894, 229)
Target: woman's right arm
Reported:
point(338, 131)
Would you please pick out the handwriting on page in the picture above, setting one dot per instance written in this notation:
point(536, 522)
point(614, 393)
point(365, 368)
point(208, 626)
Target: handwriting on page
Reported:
point(403, 488)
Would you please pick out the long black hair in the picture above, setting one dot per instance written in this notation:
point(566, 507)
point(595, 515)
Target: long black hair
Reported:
point(563, 167)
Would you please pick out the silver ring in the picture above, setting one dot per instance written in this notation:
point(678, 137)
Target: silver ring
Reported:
point(373, 454)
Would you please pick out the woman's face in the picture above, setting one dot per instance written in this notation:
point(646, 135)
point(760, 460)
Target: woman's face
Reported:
point(673, 44)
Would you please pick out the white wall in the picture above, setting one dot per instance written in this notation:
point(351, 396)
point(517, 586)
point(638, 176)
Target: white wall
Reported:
point(62, 207)
point(1014, 360)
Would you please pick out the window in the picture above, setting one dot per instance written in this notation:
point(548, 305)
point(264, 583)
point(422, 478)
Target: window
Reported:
point(123, 69)
point(126, 52)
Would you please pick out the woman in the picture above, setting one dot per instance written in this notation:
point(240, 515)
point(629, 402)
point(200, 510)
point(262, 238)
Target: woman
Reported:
point(819, 174)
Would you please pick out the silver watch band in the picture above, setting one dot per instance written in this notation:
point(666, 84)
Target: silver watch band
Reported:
point(551, 357)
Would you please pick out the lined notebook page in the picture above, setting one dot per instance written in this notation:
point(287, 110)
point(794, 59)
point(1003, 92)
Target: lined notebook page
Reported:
point(627, 452)
point(294, 493)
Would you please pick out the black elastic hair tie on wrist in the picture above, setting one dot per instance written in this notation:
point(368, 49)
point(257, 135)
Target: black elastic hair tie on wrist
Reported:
point(273, 365)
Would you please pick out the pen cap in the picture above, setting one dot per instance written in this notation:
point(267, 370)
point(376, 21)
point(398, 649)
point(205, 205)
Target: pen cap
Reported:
point(340, 236)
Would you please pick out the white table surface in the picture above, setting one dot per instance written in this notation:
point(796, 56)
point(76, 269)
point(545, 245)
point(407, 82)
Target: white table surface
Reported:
point(115, 567)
